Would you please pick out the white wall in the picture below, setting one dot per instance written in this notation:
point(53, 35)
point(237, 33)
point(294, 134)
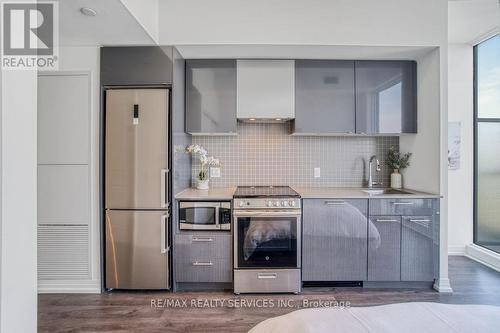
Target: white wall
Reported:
point(323, 22)
point(85, 60)
point(18, 275)
point(424, 171)
point(460, 182)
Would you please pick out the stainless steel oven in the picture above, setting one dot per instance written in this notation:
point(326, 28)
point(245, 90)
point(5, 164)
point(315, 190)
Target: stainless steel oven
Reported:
point(267, 245)
point(204, 215)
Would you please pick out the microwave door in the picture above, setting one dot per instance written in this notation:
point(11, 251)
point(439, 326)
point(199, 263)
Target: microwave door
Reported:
point(196, 216)
point(136, 149)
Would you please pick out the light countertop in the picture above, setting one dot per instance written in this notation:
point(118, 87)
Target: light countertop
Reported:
point(222, 193)
point(354, 193)
point(226, 193)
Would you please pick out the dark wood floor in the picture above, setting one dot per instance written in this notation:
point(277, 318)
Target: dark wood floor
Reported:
point(132, 312)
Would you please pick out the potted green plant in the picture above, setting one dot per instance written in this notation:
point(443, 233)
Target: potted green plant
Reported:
point(397, 161)
point(205, 162)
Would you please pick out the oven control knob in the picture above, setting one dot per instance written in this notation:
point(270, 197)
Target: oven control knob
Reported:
point(292, 203)
point(277, 203)
point(269, 204)
point(242, 203)
point(284, 203)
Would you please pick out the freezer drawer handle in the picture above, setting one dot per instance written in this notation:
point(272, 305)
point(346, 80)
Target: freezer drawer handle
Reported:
point(335, 202)
point(202, 239)
point(381, 220)
point(198, 263)
point(267, 275)
point(164, 234)
point(403, 203)
point(164, 186)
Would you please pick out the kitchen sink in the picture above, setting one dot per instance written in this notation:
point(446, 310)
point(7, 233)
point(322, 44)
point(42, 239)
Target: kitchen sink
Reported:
point(379, 191)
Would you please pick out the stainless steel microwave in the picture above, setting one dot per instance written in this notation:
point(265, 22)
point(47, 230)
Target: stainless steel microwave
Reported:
point(206, 215)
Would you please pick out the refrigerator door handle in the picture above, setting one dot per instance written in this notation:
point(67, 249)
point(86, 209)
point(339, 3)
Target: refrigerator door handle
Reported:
point(164, 234)
point(164, 186)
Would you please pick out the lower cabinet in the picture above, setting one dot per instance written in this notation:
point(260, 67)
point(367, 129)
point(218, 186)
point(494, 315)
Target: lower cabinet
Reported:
point(395, 242)
point(203, 257)
point(334, 240)
point(417, 251)
point(384, 248)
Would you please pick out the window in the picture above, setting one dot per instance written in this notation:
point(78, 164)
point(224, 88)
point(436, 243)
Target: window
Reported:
point(487, 144)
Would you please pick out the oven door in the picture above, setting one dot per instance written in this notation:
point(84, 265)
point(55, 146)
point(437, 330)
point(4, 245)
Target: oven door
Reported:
point(267, 239)
point(199, 215)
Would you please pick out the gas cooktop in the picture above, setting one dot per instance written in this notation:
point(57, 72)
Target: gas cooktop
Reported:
point(265, 192)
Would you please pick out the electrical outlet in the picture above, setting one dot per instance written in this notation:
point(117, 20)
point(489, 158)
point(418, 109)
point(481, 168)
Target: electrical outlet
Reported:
point(317, 172)
point(215, 172)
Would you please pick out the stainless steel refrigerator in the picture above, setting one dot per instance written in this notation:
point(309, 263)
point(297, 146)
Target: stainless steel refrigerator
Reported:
point(136, 188)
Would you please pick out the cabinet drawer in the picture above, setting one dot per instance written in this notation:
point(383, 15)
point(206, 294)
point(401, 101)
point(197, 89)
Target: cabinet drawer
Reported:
point(194, 270)
point(203, 246)
point(408, 207)
point(326, 206)
point(258, 281)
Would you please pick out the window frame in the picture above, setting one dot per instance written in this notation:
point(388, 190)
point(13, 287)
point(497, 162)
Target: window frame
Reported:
point(476, 121)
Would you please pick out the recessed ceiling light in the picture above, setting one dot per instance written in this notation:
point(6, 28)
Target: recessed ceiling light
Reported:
point(278, 119)
point(88, 11)
point(252, 119)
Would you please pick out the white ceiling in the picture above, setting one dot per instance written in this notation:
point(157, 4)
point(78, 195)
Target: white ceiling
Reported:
point(470, 20)
point(113, 24)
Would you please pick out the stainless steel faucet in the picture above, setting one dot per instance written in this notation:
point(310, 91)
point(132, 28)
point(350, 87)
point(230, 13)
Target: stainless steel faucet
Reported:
point(370, 177)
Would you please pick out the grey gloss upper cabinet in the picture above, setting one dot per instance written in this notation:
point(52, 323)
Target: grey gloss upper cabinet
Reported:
point(324, 97)
point(386, 97)
point(211, 96)
point(334, 240)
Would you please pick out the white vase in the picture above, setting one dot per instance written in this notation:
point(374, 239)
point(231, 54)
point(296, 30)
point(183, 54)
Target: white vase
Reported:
point(202, 184)
point(396, 179)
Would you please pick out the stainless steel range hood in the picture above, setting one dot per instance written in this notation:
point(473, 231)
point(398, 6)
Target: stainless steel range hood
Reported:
point(265, 90)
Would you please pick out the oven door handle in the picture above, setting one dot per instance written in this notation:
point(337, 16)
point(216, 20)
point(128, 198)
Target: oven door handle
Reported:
point(259, 213)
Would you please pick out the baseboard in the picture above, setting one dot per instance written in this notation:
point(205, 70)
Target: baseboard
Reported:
point(442, 286)
point(484, 256)
point(69, 287)
point(456, 250)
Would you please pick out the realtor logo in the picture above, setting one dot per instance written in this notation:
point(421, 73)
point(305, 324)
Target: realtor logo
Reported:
point(30, 35)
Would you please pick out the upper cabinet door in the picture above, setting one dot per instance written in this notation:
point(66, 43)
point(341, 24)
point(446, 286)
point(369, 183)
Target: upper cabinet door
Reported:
point(386, 95)
point(266, 89)
point(211, 96)
point(324, 97)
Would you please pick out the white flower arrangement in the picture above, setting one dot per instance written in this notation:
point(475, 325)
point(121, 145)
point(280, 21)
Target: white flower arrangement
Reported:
point(205, 160)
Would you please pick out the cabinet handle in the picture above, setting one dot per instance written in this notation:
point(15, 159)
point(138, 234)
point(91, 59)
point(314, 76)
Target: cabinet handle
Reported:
point(202, 239)
point(267, 275)
point(335, 202)
point(403, 203)
point(207, 263)
point(386, 220)
point(419, 220)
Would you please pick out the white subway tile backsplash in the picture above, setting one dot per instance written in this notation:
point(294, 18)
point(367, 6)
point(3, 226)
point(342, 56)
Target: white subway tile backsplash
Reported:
point(266, 154)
